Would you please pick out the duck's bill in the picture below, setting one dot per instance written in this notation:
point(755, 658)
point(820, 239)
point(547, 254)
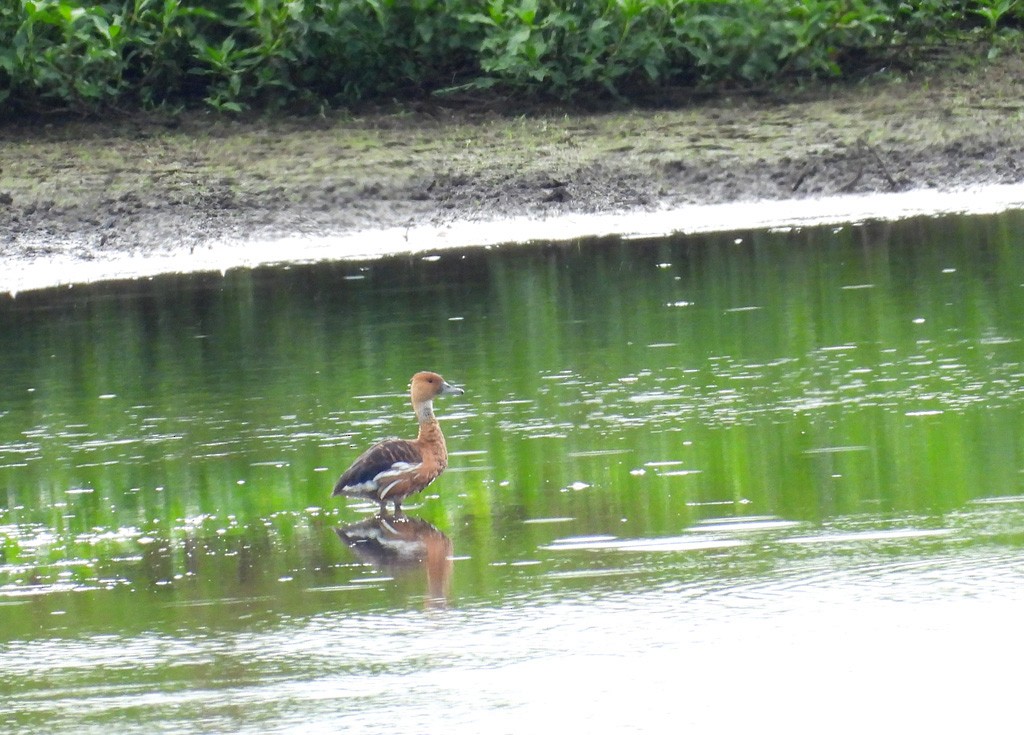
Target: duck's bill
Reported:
point(447, 389)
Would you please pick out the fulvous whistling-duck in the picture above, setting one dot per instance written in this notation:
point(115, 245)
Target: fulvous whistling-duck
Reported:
point(393, 469)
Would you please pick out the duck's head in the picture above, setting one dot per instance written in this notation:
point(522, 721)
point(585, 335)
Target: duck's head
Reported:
point(427, 386)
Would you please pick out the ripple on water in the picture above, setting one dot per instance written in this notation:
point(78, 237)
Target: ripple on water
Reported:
point(658, 544)
point(760, 618)
point(896, 534)
point(745, 524)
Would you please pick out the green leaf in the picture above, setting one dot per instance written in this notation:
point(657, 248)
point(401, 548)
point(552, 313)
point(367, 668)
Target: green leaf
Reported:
point(527, 12)
point(479, 18)
point(517, 38)
point(70, 13)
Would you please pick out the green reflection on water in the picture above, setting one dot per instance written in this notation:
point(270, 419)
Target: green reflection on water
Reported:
point(168, 447)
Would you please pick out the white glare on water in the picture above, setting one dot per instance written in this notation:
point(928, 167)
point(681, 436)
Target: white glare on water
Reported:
point(67, 268)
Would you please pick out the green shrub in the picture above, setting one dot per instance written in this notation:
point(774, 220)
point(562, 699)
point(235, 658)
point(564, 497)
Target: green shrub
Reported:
point(60, 52)
point(381, 48)
point(86, 57)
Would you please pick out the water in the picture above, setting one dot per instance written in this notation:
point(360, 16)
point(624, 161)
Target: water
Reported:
point(716, 481)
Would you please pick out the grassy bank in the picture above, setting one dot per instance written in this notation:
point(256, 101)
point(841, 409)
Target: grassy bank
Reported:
point(89, 57)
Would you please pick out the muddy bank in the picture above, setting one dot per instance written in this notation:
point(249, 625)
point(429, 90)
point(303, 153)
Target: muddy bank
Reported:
point(87, 191)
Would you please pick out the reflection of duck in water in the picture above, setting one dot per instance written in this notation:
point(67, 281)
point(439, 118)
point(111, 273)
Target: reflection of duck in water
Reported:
point(393, 469)
point(399, 543)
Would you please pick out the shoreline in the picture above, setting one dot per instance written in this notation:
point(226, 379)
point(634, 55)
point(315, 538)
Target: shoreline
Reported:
point(69, 269)
point(82, 201)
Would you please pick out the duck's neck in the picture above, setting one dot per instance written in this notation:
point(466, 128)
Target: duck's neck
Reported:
point(424, 413)
point(430, 433)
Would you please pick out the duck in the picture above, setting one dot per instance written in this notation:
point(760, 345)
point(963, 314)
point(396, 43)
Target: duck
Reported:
point(394, 469)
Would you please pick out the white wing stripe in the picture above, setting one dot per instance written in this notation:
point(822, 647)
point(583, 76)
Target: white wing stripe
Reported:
point(397, 470)
point(385, 491)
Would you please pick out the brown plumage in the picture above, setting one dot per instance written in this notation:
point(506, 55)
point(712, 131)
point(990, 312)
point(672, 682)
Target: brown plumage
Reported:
point(393, 469)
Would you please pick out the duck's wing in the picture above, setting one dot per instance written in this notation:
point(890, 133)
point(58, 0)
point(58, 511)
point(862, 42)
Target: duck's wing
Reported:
point(388, 456)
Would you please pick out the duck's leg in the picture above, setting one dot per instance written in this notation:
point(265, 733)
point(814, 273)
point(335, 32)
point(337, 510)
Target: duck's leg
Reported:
point(383, 507)
point(398, 508)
